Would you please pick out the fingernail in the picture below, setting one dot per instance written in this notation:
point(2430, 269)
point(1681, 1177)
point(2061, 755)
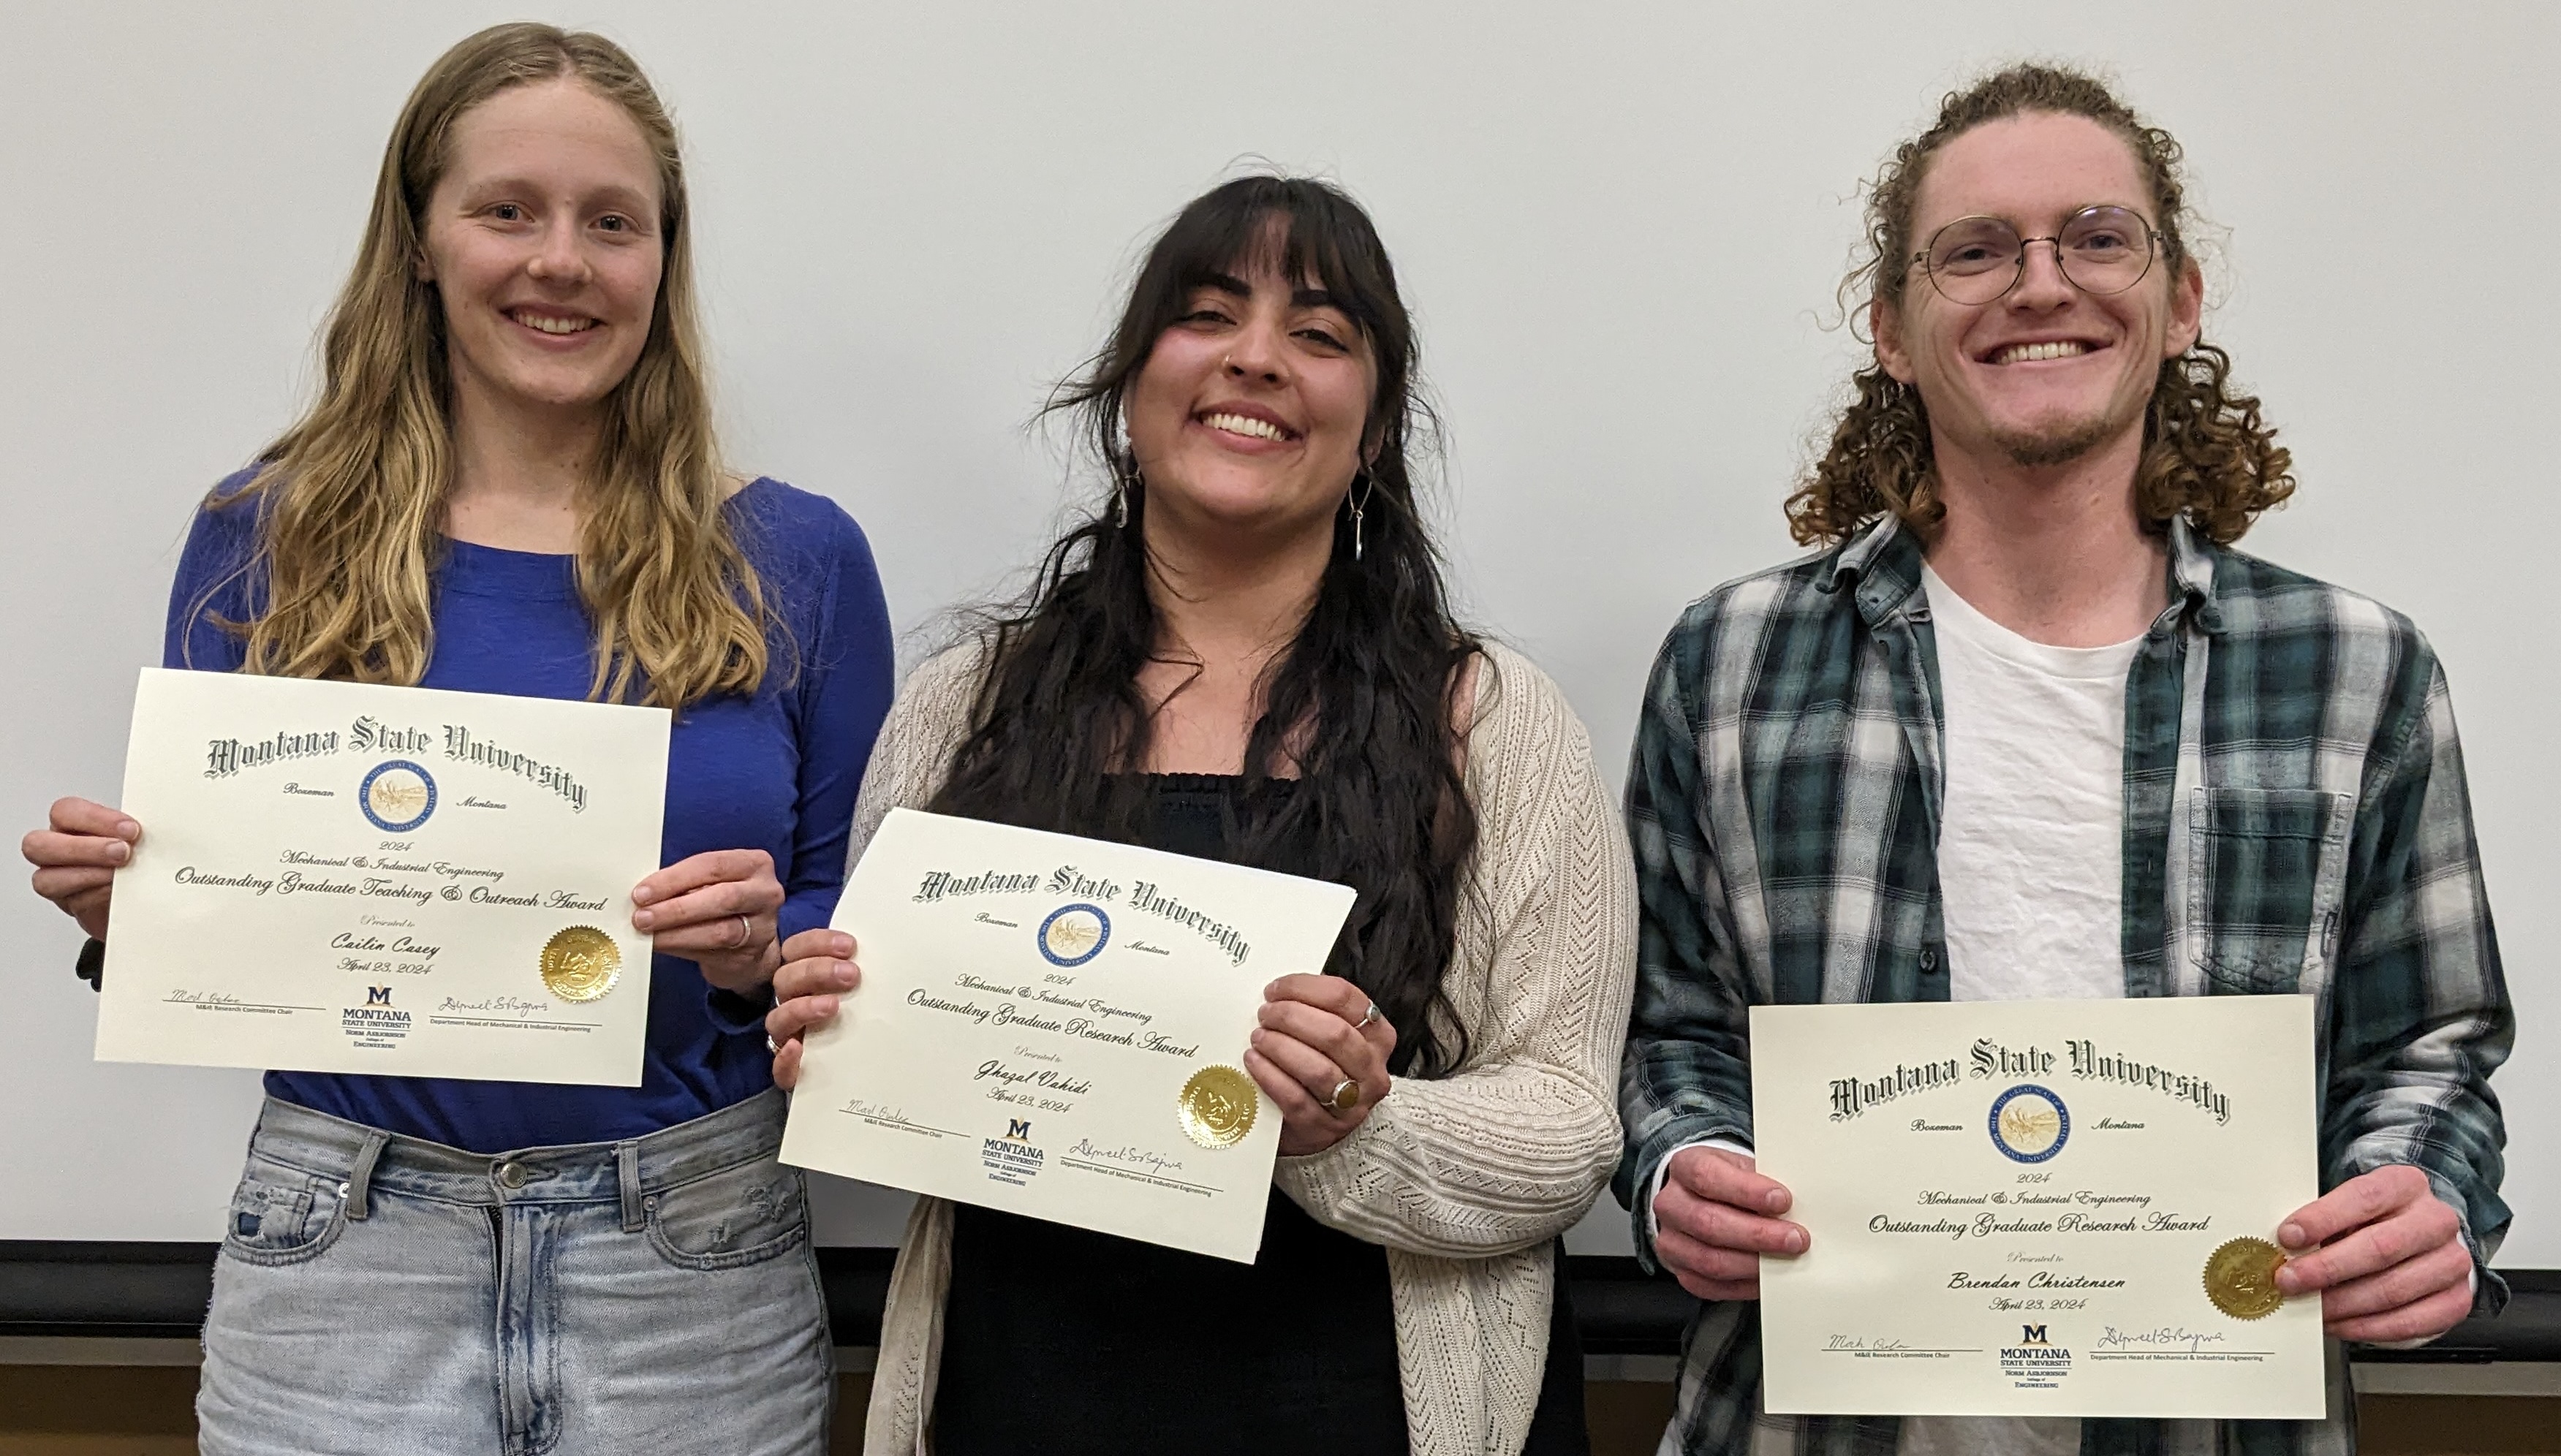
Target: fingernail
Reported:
point(642, 895)
point(2292, 1235)
point(844, 975)
point(1796, 1241)
point(844, 947)
point(643, 918)
point(128, 828)
point(2288, 1281)
point(118, 854)
point(1778, 1200)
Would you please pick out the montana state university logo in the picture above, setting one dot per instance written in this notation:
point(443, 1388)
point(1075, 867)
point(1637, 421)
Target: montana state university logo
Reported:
point(1075, 934)
point(397, 796)
point(2029, 1124)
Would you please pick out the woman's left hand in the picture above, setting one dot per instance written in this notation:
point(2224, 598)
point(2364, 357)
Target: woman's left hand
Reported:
point(1318, 1033)
point(717, 910)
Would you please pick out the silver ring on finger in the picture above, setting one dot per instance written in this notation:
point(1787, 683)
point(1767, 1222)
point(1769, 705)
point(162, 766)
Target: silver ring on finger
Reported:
point(1367, 1017)
point(1346, 1096)
point(771, 1045)
point(744, 931)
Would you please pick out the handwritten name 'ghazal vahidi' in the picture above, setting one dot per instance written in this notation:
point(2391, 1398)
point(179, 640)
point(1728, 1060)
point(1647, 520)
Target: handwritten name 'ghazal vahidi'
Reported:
point(2083, 1061)
point(453, 743)
point(1143, 897)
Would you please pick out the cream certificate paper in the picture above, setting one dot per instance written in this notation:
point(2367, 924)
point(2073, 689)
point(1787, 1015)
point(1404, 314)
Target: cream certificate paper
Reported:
point(339, 877)
point(2038, 1208)
point(1055, 1027)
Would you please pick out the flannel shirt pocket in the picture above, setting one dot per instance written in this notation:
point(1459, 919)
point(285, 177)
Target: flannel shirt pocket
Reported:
point(2263, 895)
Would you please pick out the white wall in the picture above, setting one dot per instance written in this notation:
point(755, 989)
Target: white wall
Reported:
point(1620, 224)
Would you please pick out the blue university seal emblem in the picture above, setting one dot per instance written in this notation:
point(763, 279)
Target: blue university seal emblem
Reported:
point(397, 796)
point(2029, 1124)
point(1074, 934)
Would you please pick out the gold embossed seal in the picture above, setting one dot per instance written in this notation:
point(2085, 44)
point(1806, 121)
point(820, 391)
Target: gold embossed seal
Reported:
point(1217, 1106)
point(581, 963)
point(2241, 1279)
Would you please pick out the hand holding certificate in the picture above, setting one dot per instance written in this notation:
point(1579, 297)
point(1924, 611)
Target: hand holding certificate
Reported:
point(1055, 1027)
point(2039, 1208)
point(340, 877)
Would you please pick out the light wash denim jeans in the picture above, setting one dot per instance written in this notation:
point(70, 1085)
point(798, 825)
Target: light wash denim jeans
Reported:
point(382, 1296)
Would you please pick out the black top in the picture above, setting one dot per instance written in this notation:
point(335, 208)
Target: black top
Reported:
point(1064, 1341)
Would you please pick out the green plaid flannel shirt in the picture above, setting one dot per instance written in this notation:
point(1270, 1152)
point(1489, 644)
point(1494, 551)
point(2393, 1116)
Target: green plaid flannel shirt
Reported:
point(1784, 805)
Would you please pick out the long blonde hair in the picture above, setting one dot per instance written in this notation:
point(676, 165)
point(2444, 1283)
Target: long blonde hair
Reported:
point(351, 499)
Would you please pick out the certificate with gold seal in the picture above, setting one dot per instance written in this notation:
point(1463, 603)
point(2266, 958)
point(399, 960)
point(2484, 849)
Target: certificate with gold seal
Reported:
point(1055, 1027)
point(342, 876)
point(2039, 1208)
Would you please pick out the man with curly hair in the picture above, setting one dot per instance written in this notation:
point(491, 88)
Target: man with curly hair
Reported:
point(2028, 727)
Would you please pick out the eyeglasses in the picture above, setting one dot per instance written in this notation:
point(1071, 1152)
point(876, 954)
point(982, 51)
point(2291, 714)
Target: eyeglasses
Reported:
point(2101, 250)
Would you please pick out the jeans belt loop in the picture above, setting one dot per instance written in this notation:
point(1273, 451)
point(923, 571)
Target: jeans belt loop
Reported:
point(634, 1217)
point(360, 1177)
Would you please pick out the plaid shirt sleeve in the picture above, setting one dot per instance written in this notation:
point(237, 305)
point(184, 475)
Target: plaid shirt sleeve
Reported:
point(2421, 1014)
point(1688, 1075)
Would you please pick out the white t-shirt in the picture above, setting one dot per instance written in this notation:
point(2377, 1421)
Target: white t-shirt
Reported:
point(2031, 865)
point(2031, 827)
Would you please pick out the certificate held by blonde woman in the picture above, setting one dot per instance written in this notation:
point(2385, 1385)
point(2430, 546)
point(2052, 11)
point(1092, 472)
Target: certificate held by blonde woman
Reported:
point(352, 877)
point(1055, 1027)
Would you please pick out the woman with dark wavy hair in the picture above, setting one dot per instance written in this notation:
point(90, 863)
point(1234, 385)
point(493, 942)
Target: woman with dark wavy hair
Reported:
point(1247, 654)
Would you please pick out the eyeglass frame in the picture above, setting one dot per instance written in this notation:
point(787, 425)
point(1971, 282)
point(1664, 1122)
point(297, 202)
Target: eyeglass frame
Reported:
point(2156, 245)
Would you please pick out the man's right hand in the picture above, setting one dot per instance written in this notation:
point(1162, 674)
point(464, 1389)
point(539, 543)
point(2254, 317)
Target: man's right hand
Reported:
point(1715, 1218)
point(76, 857)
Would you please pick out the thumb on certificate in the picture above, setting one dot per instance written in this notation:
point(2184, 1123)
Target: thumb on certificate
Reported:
point(1723, 1176)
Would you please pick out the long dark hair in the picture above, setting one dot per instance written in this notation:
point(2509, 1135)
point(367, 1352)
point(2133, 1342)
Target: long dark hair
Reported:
point(1361, 701)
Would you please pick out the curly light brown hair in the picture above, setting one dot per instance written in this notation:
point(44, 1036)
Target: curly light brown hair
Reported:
point(2205, 453)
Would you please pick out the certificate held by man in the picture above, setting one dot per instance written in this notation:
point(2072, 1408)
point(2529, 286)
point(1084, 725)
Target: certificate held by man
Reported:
point(1055, 1027)
point(2039, 1208)
point(351, 878)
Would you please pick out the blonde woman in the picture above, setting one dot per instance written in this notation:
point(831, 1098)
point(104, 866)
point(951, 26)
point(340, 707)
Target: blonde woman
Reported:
point(509, 485)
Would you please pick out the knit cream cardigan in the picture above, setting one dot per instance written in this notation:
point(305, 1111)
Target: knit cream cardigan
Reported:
point(1464, 1179)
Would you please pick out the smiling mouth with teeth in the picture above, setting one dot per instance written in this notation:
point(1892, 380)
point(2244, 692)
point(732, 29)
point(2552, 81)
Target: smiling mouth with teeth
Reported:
point(1246, 425)
point(550, 324)
point(2028, 353)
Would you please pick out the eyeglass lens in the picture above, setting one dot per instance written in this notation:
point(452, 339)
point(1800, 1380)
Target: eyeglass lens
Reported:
point(2100, 250)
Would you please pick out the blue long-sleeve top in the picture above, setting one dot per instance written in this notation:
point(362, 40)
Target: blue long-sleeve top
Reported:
point(777, 771)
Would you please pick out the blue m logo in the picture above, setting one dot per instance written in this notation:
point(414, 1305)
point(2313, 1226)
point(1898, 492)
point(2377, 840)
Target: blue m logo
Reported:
point(378, 996)
point(1018, 1129)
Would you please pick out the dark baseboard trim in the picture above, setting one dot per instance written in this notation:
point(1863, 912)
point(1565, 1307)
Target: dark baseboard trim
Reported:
point(60, 1288)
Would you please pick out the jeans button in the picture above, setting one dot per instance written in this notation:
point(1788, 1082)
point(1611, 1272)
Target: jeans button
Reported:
point(511, 1174)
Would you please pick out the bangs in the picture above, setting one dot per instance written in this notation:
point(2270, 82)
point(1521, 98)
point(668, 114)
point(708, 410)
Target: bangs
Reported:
point(1291, 228)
